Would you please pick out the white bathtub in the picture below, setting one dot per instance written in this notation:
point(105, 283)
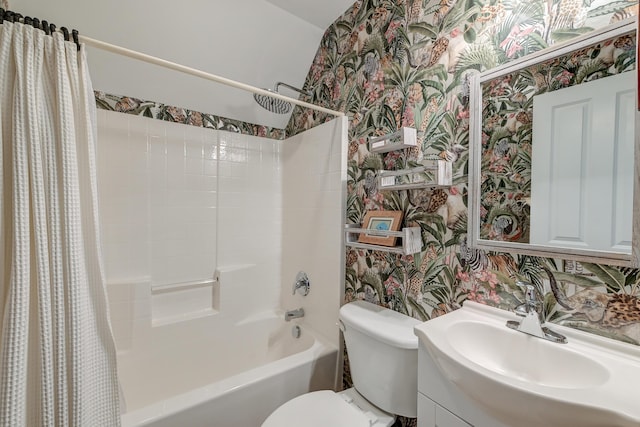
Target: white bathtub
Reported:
point(197, 373)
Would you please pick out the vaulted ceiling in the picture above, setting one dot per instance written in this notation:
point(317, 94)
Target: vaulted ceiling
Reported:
point(258, 42)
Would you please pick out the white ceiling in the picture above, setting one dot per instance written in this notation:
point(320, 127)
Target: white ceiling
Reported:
point(257, 42)
point(319, 13)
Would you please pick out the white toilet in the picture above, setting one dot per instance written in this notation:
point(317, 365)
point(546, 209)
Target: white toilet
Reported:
point(383, 357)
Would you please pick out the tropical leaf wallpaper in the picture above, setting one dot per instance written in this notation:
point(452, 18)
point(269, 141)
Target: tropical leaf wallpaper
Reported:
point(507, 109)
point(393, 63)
point(159, 111)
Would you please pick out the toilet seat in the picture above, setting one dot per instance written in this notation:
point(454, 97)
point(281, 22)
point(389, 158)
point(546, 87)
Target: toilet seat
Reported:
point(329, 409)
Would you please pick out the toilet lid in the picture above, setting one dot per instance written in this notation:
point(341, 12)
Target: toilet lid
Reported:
point(319, 409)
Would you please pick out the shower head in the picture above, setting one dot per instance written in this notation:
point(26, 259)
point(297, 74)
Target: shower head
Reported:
point(277, 105)
point(274, 105)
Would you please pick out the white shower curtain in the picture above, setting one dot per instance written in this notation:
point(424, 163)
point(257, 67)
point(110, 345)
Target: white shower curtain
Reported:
point(57, 357)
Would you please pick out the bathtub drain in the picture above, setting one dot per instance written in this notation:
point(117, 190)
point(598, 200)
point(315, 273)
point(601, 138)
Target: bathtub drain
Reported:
point(296, 331)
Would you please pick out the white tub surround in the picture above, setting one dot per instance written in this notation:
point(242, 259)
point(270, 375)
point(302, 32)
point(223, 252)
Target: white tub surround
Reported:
point(314, 209)
point(214, 364)
point(178, 201)
point(200, 225)
point(184, 301)
point(190, 374)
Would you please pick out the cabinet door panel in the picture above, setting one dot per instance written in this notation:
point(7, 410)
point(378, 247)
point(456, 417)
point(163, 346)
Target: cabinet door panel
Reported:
point(445, 418)
point(426, 411)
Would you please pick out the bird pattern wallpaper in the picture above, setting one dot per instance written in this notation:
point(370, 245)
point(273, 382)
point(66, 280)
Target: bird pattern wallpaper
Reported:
point(394, 63)
point(507, 130)
point(169, 113)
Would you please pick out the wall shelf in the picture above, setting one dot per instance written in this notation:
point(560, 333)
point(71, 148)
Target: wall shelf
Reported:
point(432, 173)
point(411, 239)
point(403, 138)
point(428, 174)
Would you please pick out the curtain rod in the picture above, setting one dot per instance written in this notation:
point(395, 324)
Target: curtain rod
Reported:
point(198, 73)
point(51, 28)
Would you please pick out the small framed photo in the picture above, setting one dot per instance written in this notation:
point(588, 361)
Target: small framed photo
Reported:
point(383, 221)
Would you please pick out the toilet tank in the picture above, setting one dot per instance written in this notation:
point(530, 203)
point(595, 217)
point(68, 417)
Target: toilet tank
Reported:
point(383, 356)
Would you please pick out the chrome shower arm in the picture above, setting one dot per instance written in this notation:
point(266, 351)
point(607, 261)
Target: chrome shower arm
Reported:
point(292, 88)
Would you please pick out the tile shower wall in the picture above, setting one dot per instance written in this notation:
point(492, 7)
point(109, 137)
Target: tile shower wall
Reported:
point(123, 189)
point(170, 195)
point(314, 176)
point(158, 199)
point(250, 218)
point(182, 179)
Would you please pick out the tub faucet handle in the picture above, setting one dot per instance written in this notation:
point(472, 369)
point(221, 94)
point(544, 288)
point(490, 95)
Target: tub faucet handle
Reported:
point(302, 284)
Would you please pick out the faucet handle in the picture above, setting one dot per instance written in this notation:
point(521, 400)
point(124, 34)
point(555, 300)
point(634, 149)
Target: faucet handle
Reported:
point(531, 293)
point(522, 310)
point(302, 282)
point(533, 301)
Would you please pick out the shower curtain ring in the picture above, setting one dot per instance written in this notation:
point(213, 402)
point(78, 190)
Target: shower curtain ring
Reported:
point(74, 34)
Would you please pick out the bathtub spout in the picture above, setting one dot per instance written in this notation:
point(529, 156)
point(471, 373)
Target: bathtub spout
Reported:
point(293, 314)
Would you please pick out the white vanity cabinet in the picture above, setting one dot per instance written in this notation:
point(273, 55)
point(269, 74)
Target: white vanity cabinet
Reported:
point(471, 364)
point(430, 414)
point(440, 402)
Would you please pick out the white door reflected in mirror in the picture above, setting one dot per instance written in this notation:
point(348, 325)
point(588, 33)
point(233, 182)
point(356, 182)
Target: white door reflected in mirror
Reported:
point(582, 165)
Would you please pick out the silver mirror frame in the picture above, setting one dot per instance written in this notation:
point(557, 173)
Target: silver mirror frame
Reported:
point(475, 147)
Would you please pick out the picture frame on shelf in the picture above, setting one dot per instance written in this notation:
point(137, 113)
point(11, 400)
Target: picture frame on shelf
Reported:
point(381, 221)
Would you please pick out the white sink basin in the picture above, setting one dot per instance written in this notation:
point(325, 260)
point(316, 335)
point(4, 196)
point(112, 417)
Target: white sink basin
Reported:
point(520, 357)
point(523, 380)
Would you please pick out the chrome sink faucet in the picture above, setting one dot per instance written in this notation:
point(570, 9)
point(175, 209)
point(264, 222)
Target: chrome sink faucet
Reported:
point(293, 314)
point(532, 310)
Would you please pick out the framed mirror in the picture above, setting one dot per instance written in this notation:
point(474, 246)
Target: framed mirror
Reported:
point(554, 154)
